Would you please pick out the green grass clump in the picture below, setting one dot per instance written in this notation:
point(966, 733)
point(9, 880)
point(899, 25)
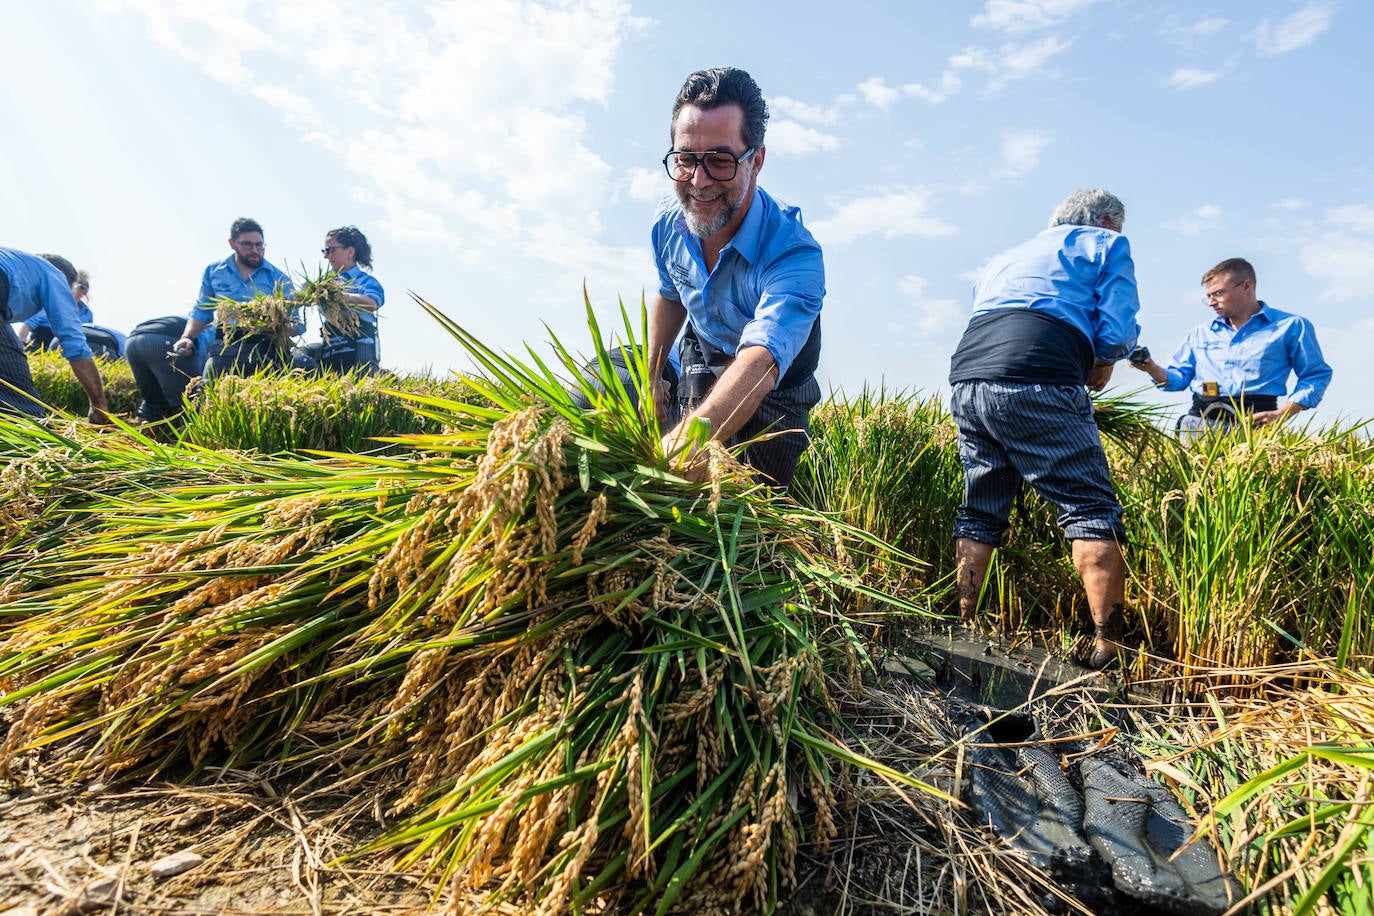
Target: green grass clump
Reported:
point(57, 387)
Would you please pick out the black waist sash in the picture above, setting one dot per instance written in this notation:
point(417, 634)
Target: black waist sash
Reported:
point(1021, 345)
point(1204, 406)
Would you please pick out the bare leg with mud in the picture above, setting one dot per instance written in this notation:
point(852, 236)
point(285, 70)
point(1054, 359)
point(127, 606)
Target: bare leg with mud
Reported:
point(971, 559)
point(1102, 568)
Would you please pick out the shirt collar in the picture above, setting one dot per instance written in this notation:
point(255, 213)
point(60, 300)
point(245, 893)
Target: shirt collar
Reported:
point(1265, 312)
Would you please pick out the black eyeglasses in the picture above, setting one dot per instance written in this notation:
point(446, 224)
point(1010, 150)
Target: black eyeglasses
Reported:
point(721, 165)
point(262, 245)
point(328, 248)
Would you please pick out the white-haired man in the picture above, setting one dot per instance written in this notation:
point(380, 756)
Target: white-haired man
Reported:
point(1050, 316)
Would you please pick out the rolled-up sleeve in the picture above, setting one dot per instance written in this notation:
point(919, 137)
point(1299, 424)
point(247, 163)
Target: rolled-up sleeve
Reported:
point(60, 307)
point(793, 290)
point(1118, 303)
point(1313, 372)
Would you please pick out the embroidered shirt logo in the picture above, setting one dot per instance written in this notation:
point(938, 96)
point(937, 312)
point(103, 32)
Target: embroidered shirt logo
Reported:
point(682, 275)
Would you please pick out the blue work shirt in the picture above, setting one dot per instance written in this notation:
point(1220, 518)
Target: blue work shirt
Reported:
point(222, 280)
point(766, 289)
point(38, 287)
point(356, 280)
point(1253, 360)
point(40, 319)
point(1081, 275)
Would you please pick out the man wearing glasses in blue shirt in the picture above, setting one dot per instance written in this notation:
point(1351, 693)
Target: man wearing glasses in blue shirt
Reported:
point(241, 276)
point(744, 275)
point(1240, 360)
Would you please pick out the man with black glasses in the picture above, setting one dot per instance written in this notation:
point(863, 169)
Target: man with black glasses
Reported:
point(1239, 362)
point(240, 277)
point(744, 275)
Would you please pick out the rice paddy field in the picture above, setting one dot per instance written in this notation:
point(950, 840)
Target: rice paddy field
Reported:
point(406, 644)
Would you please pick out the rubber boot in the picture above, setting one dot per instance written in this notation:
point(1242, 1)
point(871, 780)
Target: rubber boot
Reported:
point(1111, 632)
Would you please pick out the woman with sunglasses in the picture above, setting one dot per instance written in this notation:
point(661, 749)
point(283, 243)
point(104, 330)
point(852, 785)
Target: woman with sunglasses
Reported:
point(351, 344)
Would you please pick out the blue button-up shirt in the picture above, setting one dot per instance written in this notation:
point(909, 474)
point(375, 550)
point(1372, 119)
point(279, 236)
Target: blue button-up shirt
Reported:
point(222, 280)
point(766, 289)
point(40, 319)
point(38, 287)
point(1253, 360)
point(1082, 275)
point(356, 280)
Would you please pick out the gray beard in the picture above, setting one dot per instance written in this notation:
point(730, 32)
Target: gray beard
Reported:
point(703, 229)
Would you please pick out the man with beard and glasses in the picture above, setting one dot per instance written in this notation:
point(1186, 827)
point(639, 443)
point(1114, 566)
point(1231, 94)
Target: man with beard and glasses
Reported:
point(241, 276)
point(744, 275)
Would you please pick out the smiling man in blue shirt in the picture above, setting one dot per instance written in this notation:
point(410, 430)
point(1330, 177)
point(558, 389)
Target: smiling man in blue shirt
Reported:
point(1242, 358)
point(744, 275)
point(1050, 316)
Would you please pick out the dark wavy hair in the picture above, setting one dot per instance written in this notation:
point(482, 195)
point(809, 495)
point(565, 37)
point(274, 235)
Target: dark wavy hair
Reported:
point(241, 225)
point(707, 89)
point(352, 237)
point(62, 264)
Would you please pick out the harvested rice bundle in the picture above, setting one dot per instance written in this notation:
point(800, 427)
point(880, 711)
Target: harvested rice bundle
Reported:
point(274, 317)
point(576, 677)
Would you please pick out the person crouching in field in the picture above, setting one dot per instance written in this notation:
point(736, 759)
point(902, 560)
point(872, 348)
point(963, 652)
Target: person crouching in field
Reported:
point(350, 339)
point(1050, 316)
point(242, 277)
point(161, 375)
point(30, 284)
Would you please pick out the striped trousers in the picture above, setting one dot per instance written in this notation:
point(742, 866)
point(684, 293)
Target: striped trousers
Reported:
point(1044, 435)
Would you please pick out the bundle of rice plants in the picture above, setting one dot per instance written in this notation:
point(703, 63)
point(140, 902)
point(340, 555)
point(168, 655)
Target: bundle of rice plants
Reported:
point(576, 677)
point(324, 292)
point(272, 316)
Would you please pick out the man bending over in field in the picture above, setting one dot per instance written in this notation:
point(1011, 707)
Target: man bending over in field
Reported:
point(1051, 315)
point(30, 284)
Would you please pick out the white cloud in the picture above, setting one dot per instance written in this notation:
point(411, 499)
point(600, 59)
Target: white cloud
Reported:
point(1341, 258)
point(520, 77)
point(933, 316)
point(1016, 62)
point(792, 139)
point(1357, 218)
point(1026, 15)
point(646, 184)
point(949, 85)
point(1021, 151)
point(1190, 78)
point(877, 93)
point(898, 213)
point(785, 107)
point(1192, 35)
point(1341, 263)
point(1296, 31)
point(1289, 203)
point(1199, 220)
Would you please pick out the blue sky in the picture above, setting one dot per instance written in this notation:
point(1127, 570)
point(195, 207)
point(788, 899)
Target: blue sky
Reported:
point(501, 154)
